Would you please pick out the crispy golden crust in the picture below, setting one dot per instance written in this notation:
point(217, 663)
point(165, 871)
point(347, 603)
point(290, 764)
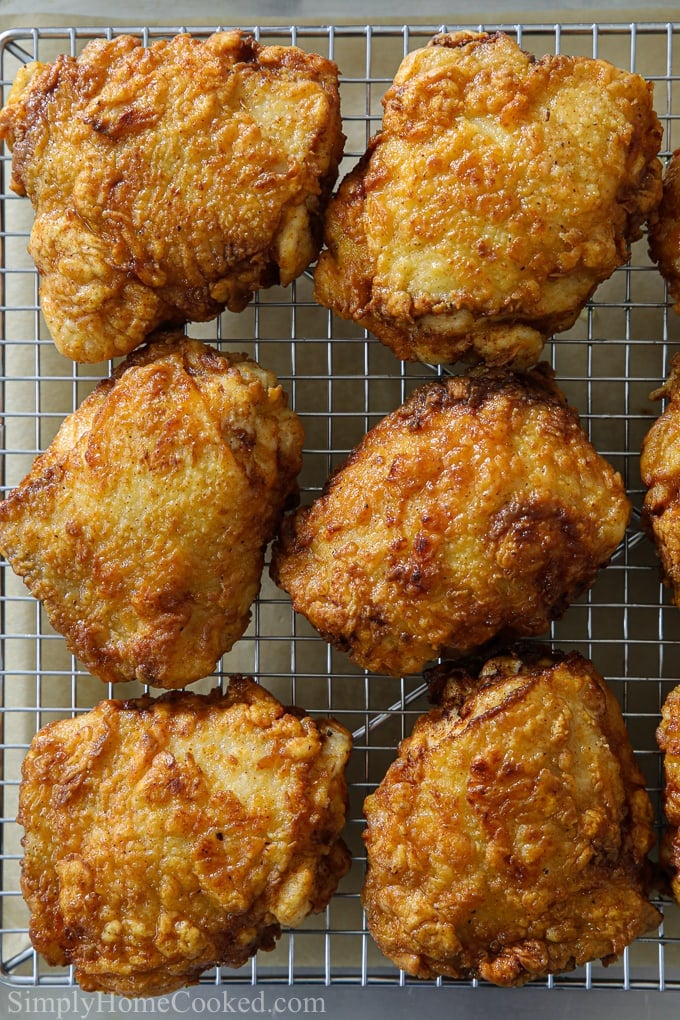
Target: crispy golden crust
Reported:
point(660, 473)
point(477, 509)
point(170, 182)
point(508, 840)
point(664, 229)
point(668, 738)
point(167, 836)
point(500, 191)
point(143, 527)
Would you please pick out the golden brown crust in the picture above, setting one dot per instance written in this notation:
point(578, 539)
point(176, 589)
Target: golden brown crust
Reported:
point(477, 509)
point(500, 191)
point(167, 836)
point(143, 527)
point(508, 840)
point(170, 182)
point(660, 473)
point(664, 229)
point(668, 738)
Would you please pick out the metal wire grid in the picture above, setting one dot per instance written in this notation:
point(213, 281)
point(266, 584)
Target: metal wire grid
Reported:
point(341, 382)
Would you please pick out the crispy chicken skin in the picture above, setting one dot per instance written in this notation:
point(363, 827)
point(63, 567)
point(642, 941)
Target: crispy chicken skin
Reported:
point(143, 527)
point(164, 837)
point(664, 229)
point(170, 182)
point(668, 738)
point(499, 193)
point(660, 473)
point(478, 509)
point(508, 840)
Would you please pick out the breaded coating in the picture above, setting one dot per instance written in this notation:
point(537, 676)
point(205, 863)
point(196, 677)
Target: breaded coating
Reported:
point(479, 509)
point(664, 229)
point(164, 837)
point(499, 193)
point(508, 840)
point(668, 738)
point(660, 473)
point(143, 527)
point(170, 182)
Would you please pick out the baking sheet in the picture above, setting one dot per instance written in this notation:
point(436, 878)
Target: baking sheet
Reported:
point(341, 382)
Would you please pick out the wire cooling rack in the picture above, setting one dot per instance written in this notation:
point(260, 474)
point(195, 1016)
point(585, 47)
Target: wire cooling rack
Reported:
point(341, 382)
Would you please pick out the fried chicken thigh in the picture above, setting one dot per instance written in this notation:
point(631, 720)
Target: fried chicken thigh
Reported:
point(169, 182)
point(166, 837)
point(143, 527)
point(664, 229)
point(660, 472)
point(499, 193)
point(508, 840)
point(479, 509)
point(668, 738)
